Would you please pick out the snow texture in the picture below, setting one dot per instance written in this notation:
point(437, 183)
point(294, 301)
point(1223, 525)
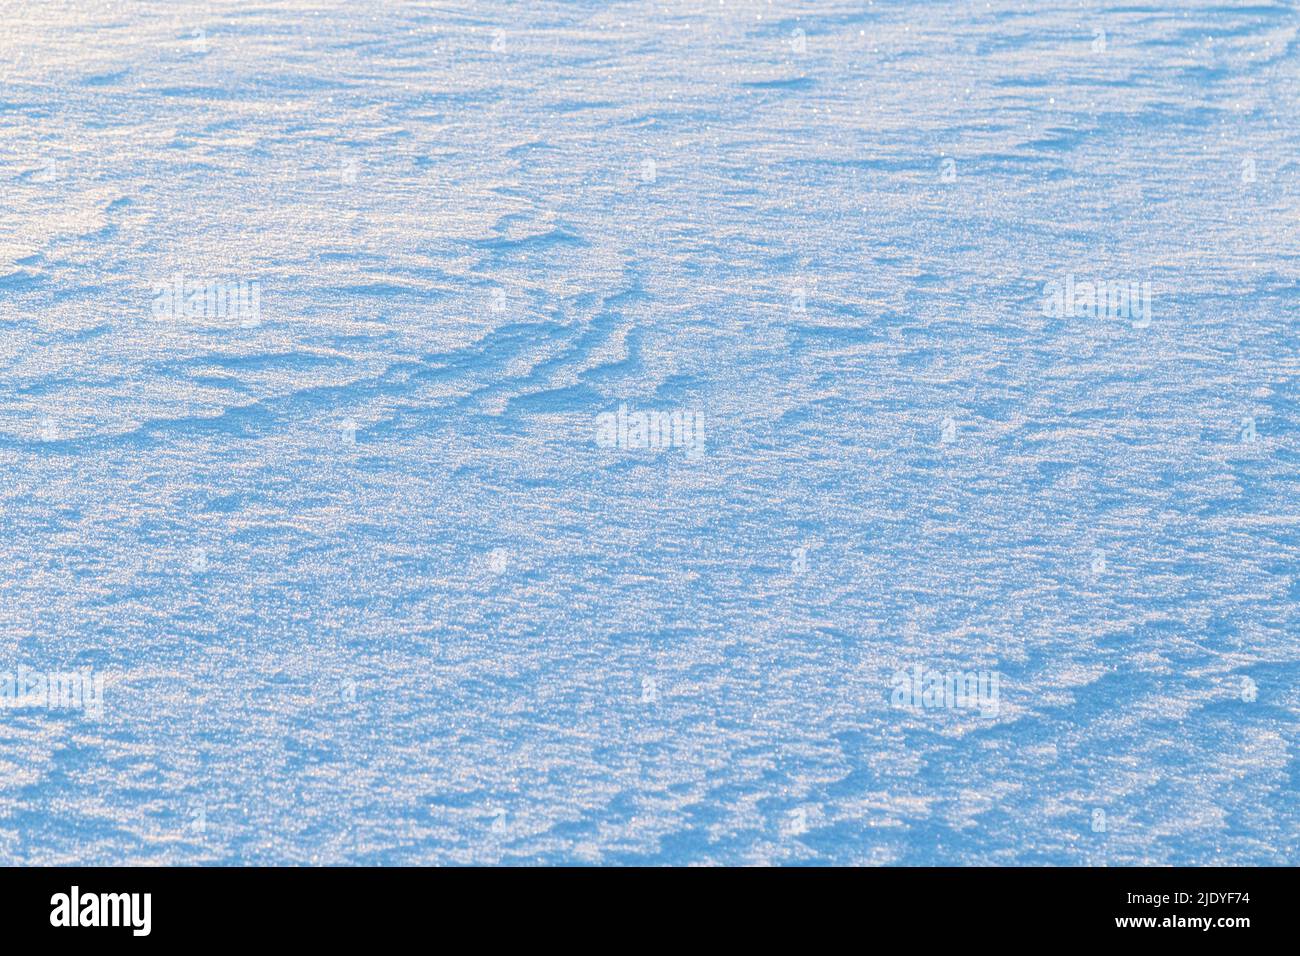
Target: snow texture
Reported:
point(368, 578)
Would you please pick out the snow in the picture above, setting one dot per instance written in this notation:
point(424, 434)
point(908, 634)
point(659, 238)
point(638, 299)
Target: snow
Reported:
point(364, 587)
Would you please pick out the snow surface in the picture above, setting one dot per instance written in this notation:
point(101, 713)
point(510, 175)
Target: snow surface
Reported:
point(473, 634)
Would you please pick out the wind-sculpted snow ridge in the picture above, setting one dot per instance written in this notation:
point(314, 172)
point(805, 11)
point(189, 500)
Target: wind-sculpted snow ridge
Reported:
point(725, 432)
